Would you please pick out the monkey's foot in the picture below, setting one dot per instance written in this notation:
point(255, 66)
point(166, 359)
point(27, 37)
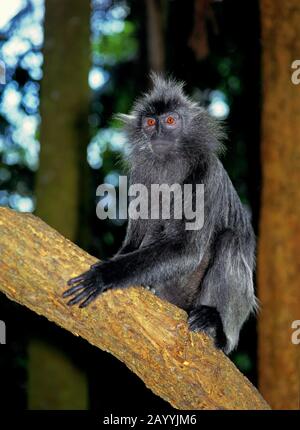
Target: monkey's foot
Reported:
point(86, 287)
point(208, 320)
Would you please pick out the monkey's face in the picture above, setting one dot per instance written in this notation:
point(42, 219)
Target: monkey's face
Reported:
point(165, 124)
point(162, 131)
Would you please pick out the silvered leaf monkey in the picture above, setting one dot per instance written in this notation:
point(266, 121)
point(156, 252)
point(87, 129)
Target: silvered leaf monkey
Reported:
point(208, 272)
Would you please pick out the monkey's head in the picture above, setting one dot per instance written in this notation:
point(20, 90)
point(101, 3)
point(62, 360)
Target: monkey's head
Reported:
point(164, 123)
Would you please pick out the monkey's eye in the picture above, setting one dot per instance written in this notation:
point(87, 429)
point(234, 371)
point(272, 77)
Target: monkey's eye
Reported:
point(151, 122)
point(170, 120)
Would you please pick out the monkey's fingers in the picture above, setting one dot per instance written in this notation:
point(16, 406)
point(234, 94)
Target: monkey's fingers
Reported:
point(91, 298)
point(207, 319)
point(95, 265)
point(77, 279)
point(73, 290)
point(86, 292)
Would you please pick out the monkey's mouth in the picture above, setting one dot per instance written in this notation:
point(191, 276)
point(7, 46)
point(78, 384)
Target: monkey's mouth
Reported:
point(162, 146)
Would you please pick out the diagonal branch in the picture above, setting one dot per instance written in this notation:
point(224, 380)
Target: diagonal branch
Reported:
point(149, 335)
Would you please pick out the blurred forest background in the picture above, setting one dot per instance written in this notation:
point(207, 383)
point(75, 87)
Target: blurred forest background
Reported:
point(69, 66)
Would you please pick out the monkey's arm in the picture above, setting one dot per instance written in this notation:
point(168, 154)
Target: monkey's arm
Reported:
point(152, 264)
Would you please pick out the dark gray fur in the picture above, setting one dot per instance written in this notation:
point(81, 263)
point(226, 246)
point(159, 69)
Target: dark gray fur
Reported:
point(206, 272)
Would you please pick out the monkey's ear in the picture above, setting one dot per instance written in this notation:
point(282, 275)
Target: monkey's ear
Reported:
point(125, 119)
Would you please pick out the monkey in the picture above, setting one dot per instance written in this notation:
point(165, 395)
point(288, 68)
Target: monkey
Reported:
point(208, 272)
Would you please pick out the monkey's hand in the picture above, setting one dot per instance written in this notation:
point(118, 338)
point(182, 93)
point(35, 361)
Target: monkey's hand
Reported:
point(86, 287)
point(208, 320)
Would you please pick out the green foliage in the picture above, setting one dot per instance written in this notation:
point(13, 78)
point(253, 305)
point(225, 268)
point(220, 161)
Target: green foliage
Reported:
point(117, 47)
point(243, 362)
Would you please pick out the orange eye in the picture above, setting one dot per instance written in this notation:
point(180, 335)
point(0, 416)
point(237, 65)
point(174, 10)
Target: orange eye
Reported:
point(170, 120)
point(151, 122)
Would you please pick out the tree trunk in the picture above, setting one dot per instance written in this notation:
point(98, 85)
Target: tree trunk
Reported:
point(148, 334)
point(198, 41)
point(279, 256)
point(64, 109)
point(155, 36)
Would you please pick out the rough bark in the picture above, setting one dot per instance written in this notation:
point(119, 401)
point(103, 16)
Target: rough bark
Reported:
point(64, 112)
point(279, 256)
point(149, 335)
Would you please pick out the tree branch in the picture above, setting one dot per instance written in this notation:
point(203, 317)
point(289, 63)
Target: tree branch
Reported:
point(149, 335)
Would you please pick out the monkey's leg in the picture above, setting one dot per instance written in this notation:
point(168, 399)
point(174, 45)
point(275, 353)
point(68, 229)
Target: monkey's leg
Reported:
point(226, 297)
point(150, 265)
